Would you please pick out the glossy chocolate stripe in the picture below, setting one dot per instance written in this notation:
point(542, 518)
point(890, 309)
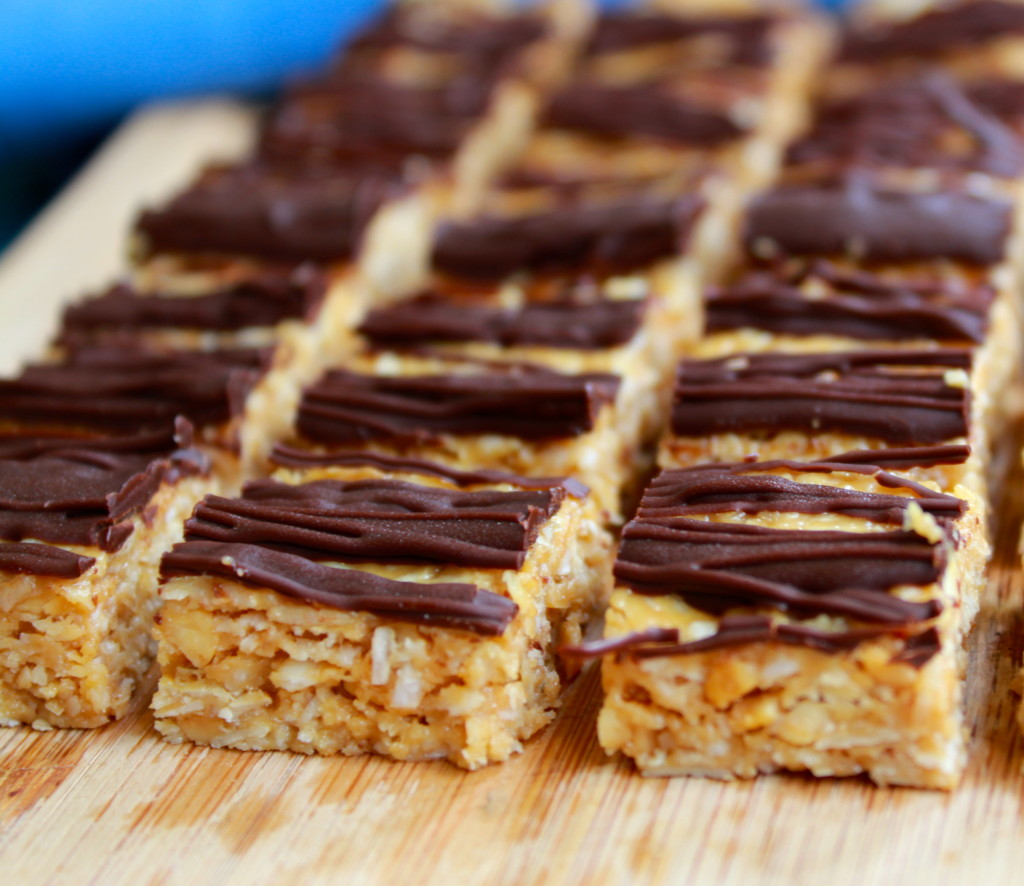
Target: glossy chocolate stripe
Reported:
point(610, 236)
point(255, 210)
point(740, 630)
point(475, 35)
point(296, 457)
point(82, 497)
point(262, 300)
point(380, 125)
point(715, 567)
point(647, 111)
point(898, 458)
point(747, 38)
point(749, 489)
point(878, 225)
point(559, 324)
point(444, 605)
point(29, 558)
point(935, 31)
point(386, 521)
point(875, 393)
point(21, 445)
point(874, 309)
point(929, 121)
point(345, 407)
point(130, 390)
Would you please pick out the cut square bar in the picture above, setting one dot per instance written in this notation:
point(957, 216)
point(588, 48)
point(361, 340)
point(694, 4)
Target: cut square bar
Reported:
point(281, 317)
point(783, 616)
point(574, 325)
point(469, 414)
point(415, 618)
point(83, 522)
point(808, 306)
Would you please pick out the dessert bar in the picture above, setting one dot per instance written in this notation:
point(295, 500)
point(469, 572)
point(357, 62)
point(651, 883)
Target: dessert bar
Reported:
point(83, 522)
point(467, 413)
point(271, 332)
point(411, 611)
point(779, 615)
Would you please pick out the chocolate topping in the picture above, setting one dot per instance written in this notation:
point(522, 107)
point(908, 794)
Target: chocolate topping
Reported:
point(646, 110)
point(857, 304)
point(360, 91)
point(751, 489)
point(935, 32)
point(879, 225)
point(920, 122)
point(75, 498)
point(737, 630)
point(303, 215)
point(614, 236)
point(897, 458)
point(896, 396)
point(920, 648)
point(622, 643)
point(370, 123)
point(35, 559)
point(748, 37)
point(129, 390)
point(385, 521)
point(262, 300)
point(476, 36)
point(718, 566)
point(564, 323)
point(347, 408)
point(160, 442)
point(86, 492)
point(444, 605)
point(293, 457)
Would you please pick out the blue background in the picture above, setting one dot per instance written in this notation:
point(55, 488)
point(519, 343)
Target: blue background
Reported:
point(70, 69)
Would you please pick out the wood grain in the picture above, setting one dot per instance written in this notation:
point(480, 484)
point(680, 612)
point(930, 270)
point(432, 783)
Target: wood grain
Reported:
point(118, 806)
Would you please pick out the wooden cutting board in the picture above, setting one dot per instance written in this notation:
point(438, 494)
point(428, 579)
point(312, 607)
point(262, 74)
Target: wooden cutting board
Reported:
point(119, 806)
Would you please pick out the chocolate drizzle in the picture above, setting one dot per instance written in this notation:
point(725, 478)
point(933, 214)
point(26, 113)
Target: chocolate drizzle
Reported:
point(645, 110)
point(613, 236)
point(294, 457)
point(30, 558)
point(747, 38)
point(129, 390)
point(897, 458)
point(443, 604)
point(17, 444)
point(858, 304)
point(383, 521)
point(348, 408)
point(739, 630)
point(254, 210)
point(370, 123)
point(937, 31)
point(476, 36)
point(898, 396)
point(563, 323)
point(719, 566)
point(84, 493)
point(75, 498)
point(880, 225)
point(919, 122)
point(261, 300)
point(754, 489)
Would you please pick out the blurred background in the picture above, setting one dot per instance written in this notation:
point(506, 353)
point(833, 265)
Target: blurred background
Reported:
point(72, 69)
